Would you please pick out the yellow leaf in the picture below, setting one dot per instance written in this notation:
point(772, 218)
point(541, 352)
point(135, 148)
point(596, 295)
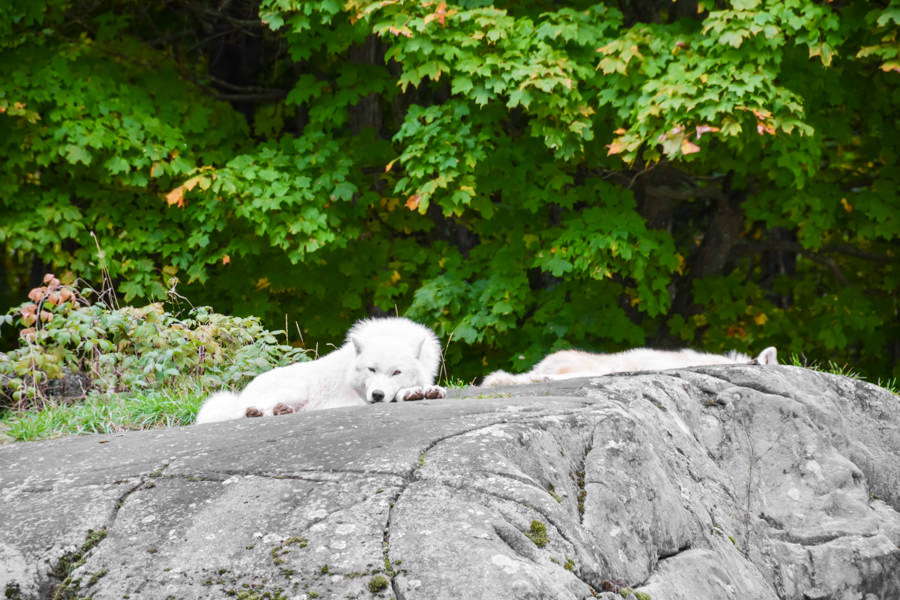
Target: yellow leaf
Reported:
point(761, 319)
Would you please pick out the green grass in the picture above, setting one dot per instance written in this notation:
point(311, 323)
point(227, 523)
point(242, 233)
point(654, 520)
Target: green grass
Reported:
point(103, 414)
point(844, 370)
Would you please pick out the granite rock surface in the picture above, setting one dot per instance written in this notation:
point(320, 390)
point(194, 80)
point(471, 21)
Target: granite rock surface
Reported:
point(735, 482)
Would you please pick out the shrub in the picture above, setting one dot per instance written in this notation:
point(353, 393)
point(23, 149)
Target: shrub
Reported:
point(67, 343)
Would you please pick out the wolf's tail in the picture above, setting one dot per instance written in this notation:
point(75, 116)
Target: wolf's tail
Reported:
point(221, 406)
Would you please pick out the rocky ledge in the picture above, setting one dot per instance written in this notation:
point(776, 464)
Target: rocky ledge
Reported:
point(738, 482)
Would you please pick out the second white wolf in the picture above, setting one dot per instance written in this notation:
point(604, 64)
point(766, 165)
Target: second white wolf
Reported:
point(383, 360)
point(568, 364)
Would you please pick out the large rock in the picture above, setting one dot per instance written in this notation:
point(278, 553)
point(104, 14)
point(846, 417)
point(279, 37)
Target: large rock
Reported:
point(737, 482)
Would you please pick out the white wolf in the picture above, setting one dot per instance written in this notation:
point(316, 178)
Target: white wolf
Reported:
point(568, 364)
point(383, 360)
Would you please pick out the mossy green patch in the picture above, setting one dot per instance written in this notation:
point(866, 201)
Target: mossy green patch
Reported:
point(378, 583)
point(538, 534)
point(70, 561)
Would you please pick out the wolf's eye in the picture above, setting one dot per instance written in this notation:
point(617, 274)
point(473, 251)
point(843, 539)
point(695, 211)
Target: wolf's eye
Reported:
point(397, 372)
point(372, 369)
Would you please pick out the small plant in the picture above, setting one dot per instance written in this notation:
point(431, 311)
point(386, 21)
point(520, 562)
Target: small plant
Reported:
point(378, 583)
point(538, 534)
point(552, 491)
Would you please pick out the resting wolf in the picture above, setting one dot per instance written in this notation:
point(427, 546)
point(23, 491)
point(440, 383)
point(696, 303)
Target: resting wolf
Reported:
point(568, 364)
point(383, 360)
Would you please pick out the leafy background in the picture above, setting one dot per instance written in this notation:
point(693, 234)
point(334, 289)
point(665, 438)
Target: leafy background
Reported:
point(521, 176)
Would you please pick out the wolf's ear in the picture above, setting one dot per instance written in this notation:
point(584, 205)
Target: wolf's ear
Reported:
point(420, 346)
point(769, 356)
point(357, 345)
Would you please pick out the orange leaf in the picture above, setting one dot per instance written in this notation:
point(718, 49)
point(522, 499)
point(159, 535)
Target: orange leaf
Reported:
point(176, 196)
point(764, 128)
point(688, 147)
point(226, 259)
point(413, 202)
point(847, 206)
point(389, 165)
point(615, 148)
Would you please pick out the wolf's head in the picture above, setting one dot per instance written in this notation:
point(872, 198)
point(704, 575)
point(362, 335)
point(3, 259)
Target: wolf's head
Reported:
point(384, 366)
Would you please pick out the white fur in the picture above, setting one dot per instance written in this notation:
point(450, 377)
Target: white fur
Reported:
point(568, 364)
point(383, 360)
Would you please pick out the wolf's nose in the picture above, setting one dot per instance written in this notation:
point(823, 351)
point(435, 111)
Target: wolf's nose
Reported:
point(377, 396)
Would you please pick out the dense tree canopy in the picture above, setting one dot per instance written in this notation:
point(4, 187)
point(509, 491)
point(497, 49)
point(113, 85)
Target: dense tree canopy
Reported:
point(524, 176)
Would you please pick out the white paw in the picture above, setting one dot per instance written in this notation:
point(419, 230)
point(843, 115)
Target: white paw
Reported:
point(421, 392)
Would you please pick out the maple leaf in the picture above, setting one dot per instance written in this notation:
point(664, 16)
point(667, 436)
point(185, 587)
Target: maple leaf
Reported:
point(689, 147)
point(176, 196)
point(701, 129)
point(412, 202)
point(764, 128)
point(439, 14)
point(614, 148)
point(404, 31)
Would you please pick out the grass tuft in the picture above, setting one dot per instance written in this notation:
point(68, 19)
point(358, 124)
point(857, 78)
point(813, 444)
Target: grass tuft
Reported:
point(103, 414)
